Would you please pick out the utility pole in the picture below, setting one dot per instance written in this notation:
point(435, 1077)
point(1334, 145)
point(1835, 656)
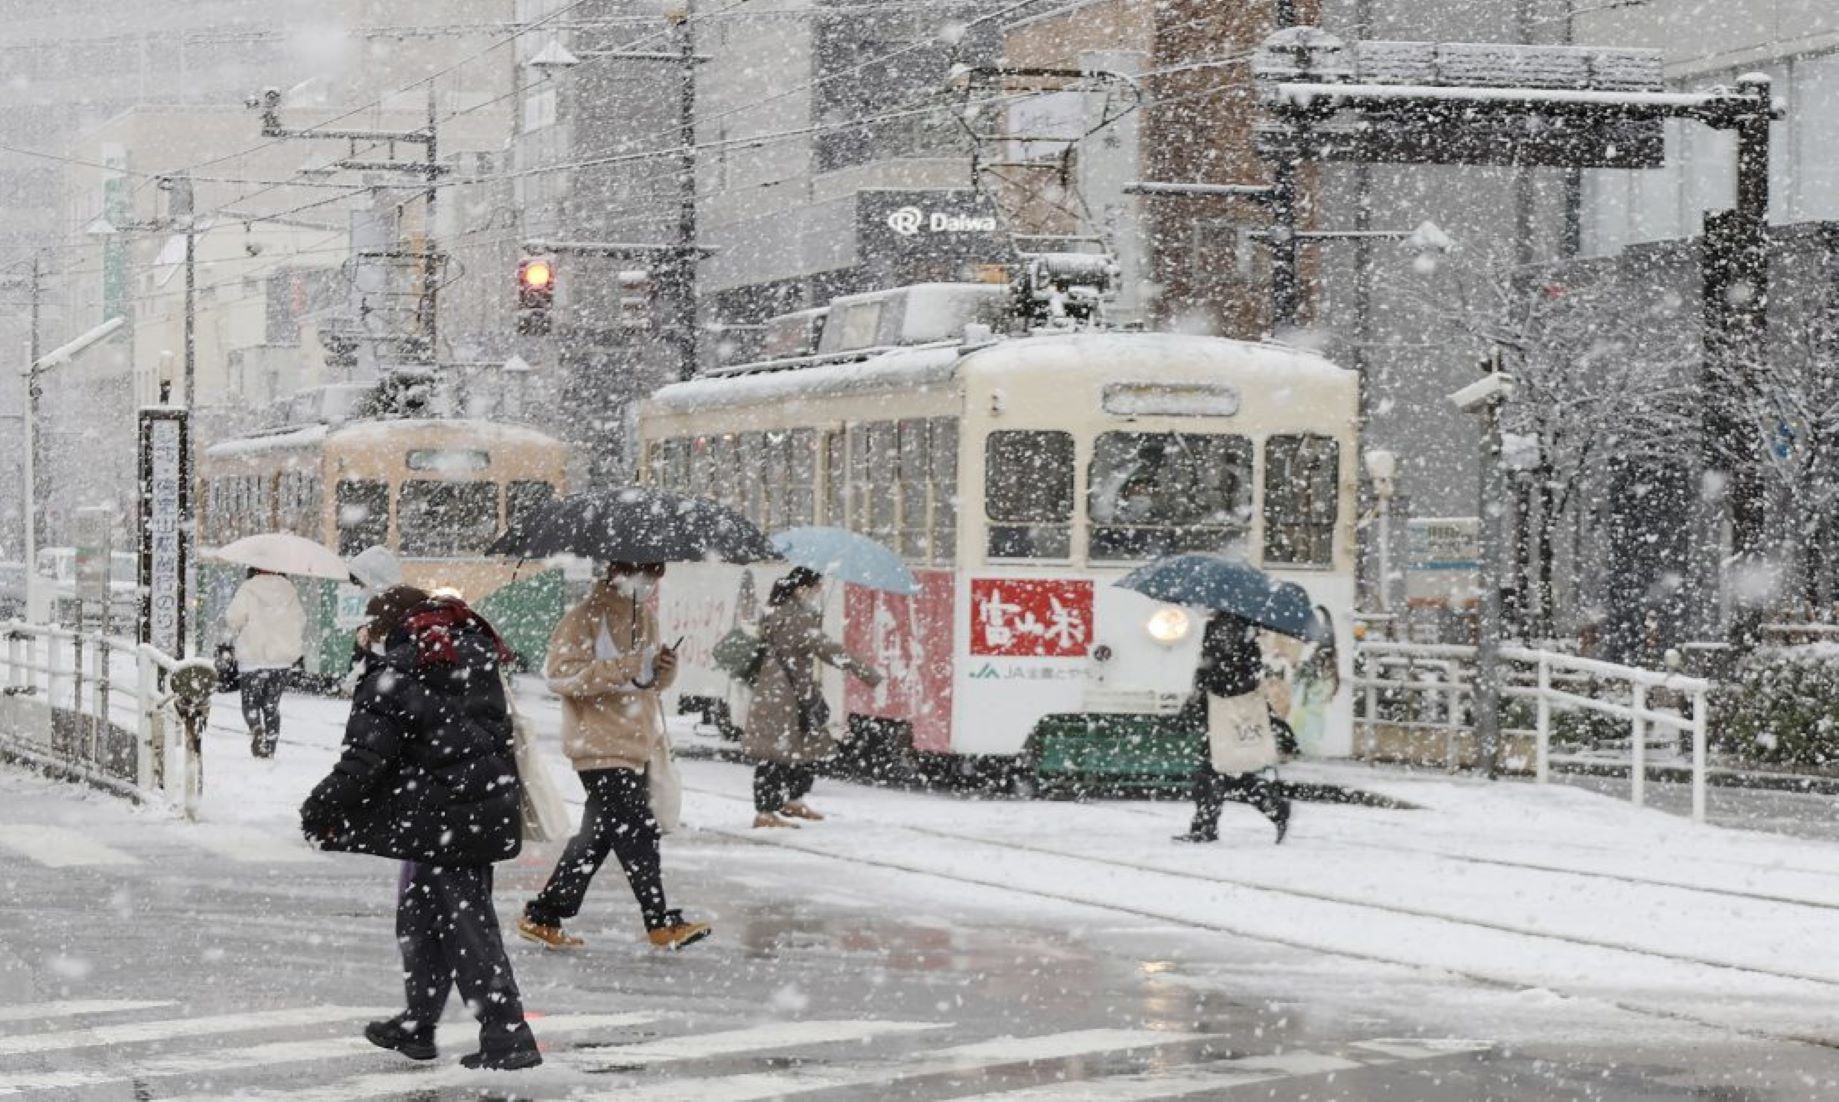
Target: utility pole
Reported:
point(685, 273)
point(34, 508)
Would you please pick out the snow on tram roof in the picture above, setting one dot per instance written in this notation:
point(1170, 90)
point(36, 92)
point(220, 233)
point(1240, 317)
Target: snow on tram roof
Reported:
point(906, 368)
point(489, 433)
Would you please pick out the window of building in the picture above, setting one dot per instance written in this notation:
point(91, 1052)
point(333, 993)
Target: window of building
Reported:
point(1150, 494)
point(1301, 477)
point(363, 515)
point(446, 519)
point(1028, 494)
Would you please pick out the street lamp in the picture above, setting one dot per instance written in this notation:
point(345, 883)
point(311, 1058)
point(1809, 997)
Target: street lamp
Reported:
point(1484, 398)
point(58, 356)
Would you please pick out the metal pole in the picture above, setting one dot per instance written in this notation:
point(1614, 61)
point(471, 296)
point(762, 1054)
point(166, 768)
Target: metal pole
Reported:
point(1698, 756)
point(188, 465)
point(1488, 630)
point(1385, 557)
point(686, 199)
point(32, 499)
point(1542, 749)
point(430, 273)
point(1637, 725)
point(1285, 279)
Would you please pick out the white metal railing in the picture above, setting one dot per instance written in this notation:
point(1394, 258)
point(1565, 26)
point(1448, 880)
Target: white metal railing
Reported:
point(1548, 679)
point(105, 684)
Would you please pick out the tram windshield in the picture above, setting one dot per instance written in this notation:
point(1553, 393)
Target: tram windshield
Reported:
point(1157, 493)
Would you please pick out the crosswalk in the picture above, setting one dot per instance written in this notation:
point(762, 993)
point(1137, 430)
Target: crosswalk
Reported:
point(57, 847)
point(61, 1049)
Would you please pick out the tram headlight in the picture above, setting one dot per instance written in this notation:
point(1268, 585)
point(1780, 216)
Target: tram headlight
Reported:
point(1168, 625)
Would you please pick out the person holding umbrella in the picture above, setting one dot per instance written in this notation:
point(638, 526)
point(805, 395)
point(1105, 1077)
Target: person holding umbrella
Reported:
point(267, 626)
point(787, 730)
point(1241, 748)
point(606, 663)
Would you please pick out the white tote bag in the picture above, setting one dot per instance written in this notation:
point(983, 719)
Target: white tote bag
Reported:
point(664, 785)
point(1239, 736)
point(545, 816)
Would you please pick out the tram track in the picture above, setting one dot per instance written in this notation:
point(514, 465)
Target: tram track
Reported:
point(1289, 941)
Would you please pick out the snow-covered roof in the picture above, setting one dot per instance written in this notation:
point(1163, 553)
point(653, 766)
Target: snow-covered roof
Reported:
point(901, 369)
point(491, 433)
point(311, 436)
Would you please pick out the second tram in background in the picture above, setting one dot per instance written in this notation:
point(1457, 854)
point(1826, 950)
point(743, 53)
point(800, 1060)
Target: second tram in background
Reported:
point(1019, 478)
point(434, 491)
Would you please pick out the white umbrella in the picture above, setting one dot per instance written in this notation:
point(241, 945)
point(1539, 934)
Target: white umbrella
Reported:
point(285, 553)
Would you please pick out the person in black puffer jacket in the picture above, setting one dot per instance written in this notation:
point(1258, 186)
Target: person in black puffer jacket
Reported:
point(428, 776)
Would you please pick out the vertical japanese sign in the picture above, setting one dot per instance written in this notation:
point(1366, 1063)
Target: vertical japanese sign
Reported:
point(1018, 617)
point(163, 507)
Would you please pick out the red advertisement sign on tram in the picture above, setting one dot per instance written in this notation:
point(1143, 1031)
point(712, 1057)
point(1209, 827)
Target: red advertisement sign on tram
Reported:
point(1031, 618)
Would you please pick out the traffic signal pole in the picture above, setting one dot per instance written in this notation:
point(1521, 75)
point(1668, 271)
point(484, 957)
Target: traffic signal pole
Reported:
point(684, 270)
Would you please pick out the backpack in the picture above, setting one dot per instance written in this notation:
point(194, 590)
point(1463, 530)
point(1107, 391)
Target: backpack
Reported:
point(739, 654)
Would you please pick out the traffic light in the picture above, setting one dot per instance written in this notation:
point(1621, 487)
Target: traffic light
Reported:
point(635, 299)
point(536, 292)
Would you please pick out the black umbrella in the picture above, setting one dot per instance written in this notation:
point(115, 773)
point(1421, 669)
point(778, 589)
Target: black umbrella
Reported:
point(1230, 585)
point(635, 524)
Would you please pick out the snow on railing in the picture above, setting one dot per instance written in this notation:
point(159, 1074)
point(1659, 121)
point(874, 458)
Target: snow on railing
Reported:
point(100, 709)
point(1445, 672)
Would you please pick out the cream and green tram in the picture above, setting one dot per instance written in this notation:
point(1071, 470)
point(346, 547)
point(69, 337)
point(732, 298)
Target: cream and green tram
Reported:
point(1020, 478)
point(436, 492)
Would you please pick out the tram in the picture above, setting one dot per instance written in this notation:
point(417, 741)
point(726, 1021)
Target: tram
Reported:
point(434, 491)
point(1020, 477)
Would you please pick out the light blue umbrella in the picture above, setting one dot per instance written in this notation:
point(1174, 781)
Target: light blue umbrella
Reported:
point(858, 560)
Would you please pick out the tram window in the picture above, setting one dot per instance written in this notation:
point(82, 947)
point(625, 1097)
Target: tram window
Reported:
point(1028, 494)
point(446, 519)
point(750, 480)
point(883, 477)
point(702, 467)
point(524, 495)
point(724, 478)
point(363, 515)
point(801, 478)
point(836, 479)
point(1301, 479)
point(676, 464)
point(1157, 493)
point(858, 479)
point(944, 489)
point(915, 484)
point(773, 457)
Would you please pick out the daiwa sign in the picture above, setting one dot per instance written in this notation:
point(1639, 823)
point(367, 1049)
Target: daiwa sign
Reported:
point(912, 221)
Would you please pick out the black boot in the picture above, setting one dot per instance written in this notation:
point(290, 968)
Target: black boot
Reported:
point(512, 1050)
point(416, 1044)
point(1280, 817)
point(1195, 836)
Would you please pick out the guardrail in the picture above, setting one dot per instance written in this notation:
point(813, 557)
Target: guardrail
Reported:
point(102, 710)
point(1431, 686)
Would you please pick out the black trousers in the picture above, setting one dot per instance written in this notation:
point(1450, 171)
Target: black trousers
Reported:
point(449, 935)
point(1212, 790)
point(776, 784)
point(617, 820)
point(262, 705)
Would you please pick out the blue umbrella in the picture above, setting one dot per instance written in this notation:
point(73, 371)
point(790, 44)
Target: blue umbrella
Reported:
point(858, 560)
point(1231, 585)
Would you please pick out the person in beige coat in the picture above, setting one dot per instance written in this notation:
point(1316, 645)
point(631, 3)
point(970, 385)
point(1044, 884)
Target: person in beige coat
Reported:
point(788, 724)
point(606, 664)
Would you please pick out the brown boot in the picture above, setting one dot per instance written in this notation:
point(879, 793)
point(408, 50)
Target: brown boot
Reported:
point(767, 819)
point(549, 937)
point(797, 809)
point(676, 933)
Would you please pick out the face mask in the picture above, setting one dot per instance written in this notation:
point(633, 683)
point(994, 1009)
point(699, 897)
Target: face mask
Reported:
point(636, 586)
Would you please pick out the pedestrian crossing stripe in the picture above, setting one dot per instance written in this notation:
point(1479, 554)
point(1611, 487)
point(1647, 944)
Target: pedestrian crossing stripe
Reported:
point(959, 1059)
point(171, 1029)
point(77, 1008)
point(58, 848)
point(239, 843)
point(270, 1055)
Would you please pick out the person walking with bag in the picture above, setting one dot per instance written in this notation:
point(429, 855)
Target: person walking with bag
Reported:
point(610, 671)
point(428, 777)
point(267, 626)
point(787, 731)
point(1241, 747)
